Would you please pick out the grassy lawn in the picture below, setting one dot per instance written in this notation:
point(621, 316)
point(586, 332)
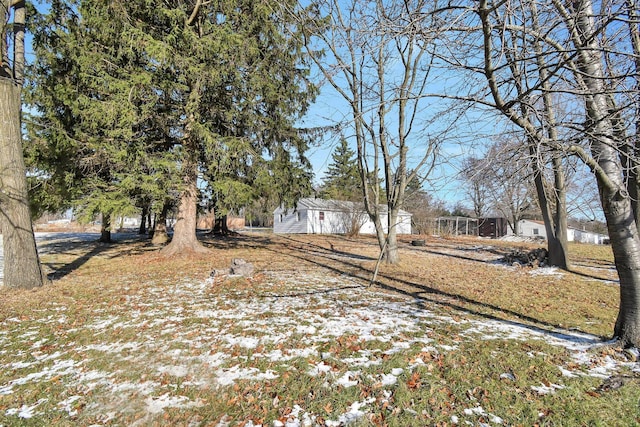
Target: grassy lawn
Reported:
point(449, 336)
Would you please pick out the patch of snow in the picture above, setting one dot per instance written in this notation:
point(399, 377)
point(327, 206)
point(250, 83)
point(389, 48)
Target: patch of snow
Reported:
point(244, 342)
point(174, 371)
point(546, 389)
point(231, 375)
point(59, 368)
point(352, 415)
point(309, 329)
point(362, 361)
point(117, 347)
point(213, 360)
point(318, 369)
point(348, 379)
point(496, 419)
point(447, 347)
point(388, 379)
point(545, 271)
point(21, 365)
point(507, 376)
point(67, 405)
point(566, 372)
point(103, 323)
point(26, 411)
point(478, 410)
point(156, 405)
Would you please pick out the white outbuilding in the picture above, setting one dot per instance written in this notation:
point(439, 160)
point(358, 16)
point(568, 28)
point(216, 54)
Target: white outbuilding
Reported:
point(536, 229)
point(319, 216)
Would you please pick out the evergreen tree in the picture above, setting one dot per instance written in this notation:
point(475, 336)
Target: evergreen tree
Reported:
point(90, 138)
point(182, 90)
point(342, 181)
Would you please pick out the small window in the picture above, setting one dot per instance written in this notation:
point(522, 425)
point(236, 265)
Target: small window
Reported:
point(321, 216)
point(280, 218)
point(536, 231)
point(297, 216)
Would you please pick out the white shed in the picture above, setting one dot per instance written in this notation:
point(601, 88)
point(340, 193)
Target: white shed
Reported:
point(319, 216)
point(531, 228)
point(583, 236)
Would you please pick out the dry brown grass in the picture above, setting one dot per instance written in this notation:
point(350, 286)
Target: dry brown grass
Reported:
point(459, 273)
point(137, 291)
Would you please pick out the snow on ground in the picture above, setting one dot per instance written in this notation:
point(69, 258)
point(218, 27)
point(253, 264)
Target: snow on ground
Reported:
point(207, 339)
point(171, 331)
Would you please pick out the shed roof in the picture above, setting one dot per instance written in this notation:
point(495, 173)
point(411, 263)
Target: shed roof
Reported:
point(338, 205)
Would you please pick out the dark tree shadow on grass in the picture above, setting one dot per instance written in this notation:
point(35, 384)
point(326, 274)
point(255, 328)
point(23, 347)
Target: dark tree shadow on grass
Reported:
point(87, 246)
point(424, 295)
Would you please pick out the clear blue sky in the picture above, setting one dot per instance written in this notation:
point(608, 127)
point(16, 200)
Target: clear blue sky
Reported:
point(443, 184)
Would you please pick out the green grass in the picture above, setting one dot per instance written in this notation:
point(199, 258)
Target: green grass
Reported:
point(128, 338)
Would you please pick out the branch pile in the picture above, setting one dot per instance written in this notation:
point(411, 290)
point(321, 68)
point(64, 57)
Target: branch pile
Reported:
point(535, 258)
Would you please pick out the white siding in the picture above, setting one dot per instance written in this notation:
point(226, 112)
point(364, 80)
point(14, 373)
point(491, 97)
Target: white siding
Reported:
point(582, 236)
point(337, 218)
point(404, 224)
point(290, 221)
point(327, 222)
point(528, 228)
point(533, 229)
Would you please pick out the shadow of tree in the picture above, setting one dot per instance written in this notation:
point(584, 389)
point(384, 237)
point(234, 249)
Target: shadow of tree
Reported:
point(85, 246)
point(336, 254)
point(422, 294)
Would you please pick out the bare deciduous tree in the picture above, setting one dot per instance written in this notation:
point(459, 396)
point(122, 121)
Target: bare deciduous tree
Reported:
point(607, 139)
point(376, 59)
point(501, 182)
point(564, 74)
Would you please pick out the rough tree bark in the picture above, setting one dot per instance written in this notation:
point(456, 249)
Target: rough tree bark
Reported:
point(143, 220)
point(609, 171)
point(105, 228)
point(185, 241)
point(21, 262)
point(159, 234)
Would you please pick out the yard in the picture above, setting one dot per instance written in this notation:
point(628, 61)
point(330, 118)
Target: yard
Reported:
point(450, 336)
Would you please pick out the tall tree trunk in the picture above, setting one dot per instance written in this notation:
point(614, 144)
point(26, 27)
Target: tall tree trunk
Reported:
point(21, 262)
point(185, 241)
point(393, 257)
point(558, 253)
point(634, 146)
point(105, 228)
point(160, 236)
point(220, 226)
point(143, 220)
point(616, 203)
point(150, 223)
point(555, 221)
